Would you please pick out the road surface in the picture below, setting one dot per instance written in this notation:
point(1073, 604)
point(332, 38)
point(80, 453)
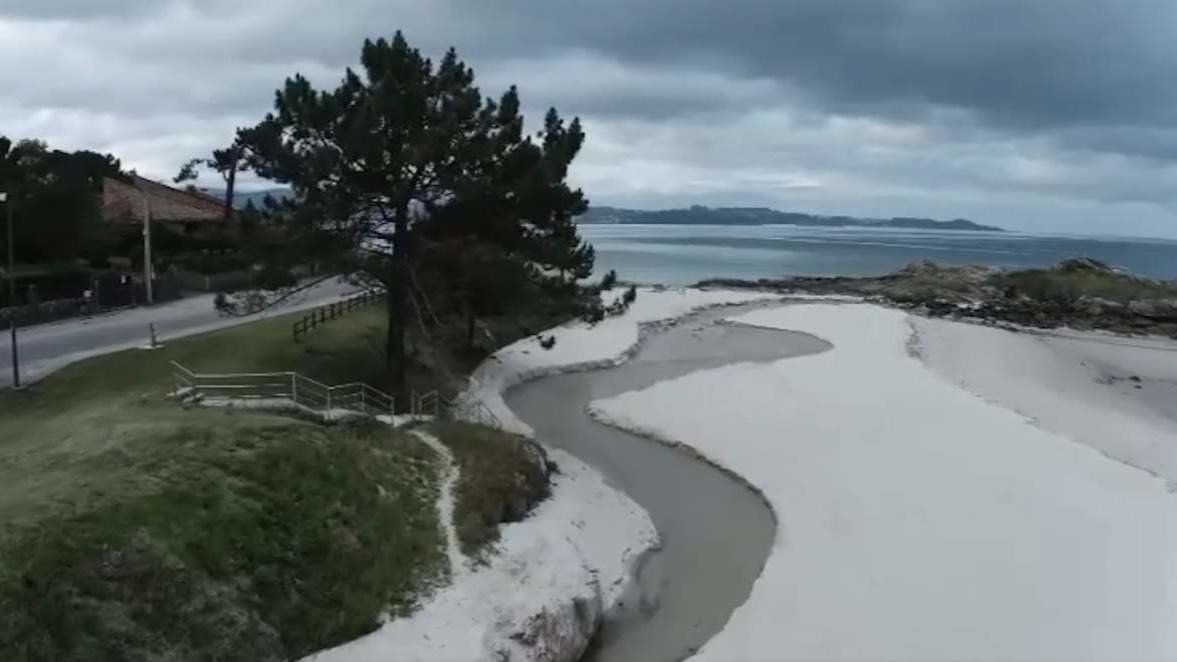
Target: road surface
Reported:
point(49, 347)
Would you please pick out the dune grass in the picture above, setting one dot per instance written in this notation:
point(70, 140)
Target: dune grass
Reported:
point(1063, 284)
point(503, 477)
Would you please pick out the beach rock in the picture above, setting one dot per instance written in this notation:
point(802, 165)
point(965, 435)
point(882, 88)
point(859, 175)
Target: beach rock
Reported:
point(1051, 297)
point(1153, 309)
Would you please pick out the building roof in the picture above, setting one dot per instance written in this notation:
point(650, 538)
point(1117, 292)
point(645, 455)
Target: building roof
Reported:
point(128, 202)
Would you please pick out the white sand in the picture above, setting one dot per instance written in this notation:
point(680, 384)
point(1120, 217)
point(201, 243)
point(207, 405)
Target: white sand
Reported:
point(1078, 385)
point(918, 520)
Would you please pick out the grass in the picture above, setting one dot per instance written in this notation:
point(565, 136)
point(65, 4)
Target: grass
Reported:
point(1067, 284)
point(266, 541)
point(131, 528)
point(501, 481)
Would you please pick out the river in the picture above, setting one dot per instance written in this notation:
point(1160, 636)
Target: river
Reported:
point(716, 531)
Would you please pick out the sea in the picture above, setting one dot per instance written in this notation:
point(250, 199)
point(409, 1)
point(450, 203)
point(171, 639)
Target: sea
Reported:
point(686, 254)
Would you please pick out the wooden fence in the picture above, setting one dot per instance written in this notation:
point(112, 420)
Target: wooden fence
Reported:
point(331, 311)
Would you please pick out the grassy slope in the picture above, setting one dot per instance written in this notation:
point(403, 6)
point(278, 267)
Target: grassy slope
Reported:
point(1068, 284)
point(133, 529)
point(501, 480)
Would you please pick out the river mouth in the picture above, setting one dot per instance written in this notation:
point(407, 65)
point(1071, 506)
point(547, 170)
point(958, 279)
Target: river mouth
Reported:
point(716, 531)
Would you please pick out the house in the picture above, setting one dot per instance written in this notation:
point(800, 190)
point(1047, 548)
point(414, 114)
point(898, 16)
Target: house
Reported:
point(129, 201)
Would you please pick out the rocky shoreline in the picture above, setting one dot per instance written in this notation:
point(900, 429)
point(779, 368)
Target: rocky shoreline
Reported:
point(1077, 293)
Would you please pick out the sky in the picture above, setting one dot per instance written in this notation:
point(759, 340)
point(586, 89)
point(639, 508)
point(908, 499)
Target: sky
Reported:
point(1045, 116)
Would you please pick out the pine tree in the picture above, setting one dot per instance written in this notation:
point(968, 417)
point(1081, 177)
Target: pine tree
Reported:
point(227, 162)
point(404, 159)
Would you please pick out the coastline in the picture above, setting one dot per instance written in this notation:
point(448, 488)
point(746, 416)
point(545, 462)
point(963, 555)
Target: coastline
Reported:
point(616, 531)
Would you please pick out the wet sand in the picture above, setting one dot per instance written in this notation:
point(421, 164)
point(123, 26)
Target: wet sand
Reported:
point(716, 532)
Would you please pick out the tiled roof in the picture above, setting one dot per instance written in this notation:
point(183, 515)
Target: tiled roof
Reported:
point(127, 202)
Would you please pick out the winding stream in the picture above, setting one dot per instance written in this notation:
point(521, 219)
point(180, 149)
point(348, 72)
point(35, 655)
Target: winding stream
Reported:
point(716, 532)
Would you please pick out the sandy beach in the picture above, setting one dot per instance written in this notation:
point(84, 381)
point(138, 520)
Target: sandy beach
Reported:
point(933, 490)
point(942, 491)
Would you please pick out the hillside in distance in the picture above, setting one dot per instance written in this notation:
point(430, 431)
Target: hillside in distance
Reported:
point(243, 198)
point(698, 215)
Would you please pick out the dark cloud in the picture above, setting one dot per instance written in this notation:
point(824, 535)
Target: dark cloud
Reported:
point(1055, 111)
point(1033, 64)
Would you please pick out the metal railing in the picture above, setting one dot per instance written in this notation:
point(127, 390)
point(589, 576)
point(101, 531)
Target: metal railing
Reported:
point(324, 314)
point(470, 410)
point(284, 388)
point(474, 411)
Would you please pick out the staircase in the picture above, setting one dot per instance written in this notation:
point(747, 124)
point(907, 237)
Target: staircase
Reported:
point(290, 390)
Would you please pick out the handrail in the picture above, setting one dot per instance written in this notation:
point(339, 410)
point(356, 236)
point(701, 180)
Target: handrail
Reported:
point(355, 398)
point(297, 389)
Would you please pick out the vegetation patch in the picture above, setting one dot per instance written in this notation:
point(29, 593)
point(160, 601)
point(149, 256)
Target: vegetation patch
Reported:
point(134, 528)
point(245, 540)
point(503, 476)
point(1081, 293)
point(1072, 280)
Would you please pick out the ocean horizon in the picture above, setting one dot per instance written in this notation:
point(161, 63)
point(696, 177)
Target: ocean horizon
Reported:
point(686, 254)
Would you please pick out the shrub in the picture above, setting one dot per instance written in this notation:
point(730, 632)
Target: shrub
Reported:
point(594, 311)
point(274, 278)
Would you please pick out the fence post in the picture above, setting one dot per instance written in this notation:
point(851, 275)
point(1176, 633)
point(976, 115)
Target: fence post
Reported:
point(294, 387)
point(328, 401)
point(363, 410)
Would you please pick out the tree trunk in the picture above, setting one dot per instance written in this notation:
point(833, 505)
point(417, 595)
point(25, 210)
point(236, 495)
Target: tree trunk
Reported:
point(470, 326)
point(230, 184)
point(397, 304)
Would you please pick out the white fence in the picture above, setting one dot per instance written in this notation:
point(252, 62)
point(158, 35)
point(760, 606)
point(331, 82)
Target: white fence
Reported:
point(290, 389)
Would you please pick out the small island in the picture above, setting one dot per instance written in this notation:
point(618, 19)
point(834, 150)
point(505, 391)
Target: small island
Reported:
point(699, 215)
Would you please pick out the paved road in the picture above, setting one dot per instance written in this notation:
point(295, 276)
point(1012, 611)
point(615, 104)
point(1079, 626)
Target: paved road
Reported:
point(49, 347)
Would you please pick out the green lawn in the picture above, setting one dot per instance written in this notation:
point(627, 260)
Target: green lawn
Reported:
point(134, 528)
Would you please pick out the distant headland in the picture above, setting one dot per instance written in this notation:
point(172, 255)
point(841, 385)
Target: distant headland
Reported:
point(698, 215)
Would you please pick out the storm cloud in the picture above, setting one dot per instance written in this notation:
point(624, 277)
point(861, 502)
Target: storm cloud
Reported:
point(1051, 115)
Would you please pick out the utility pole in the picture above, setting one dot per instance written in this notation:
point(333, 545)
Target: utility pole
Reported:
point(147, 270)
point(12, 290)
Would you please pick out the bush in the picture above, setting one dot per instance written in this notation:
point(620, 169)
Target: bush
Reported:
point(594, 311)
point(274, 278)
point(608, 281)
